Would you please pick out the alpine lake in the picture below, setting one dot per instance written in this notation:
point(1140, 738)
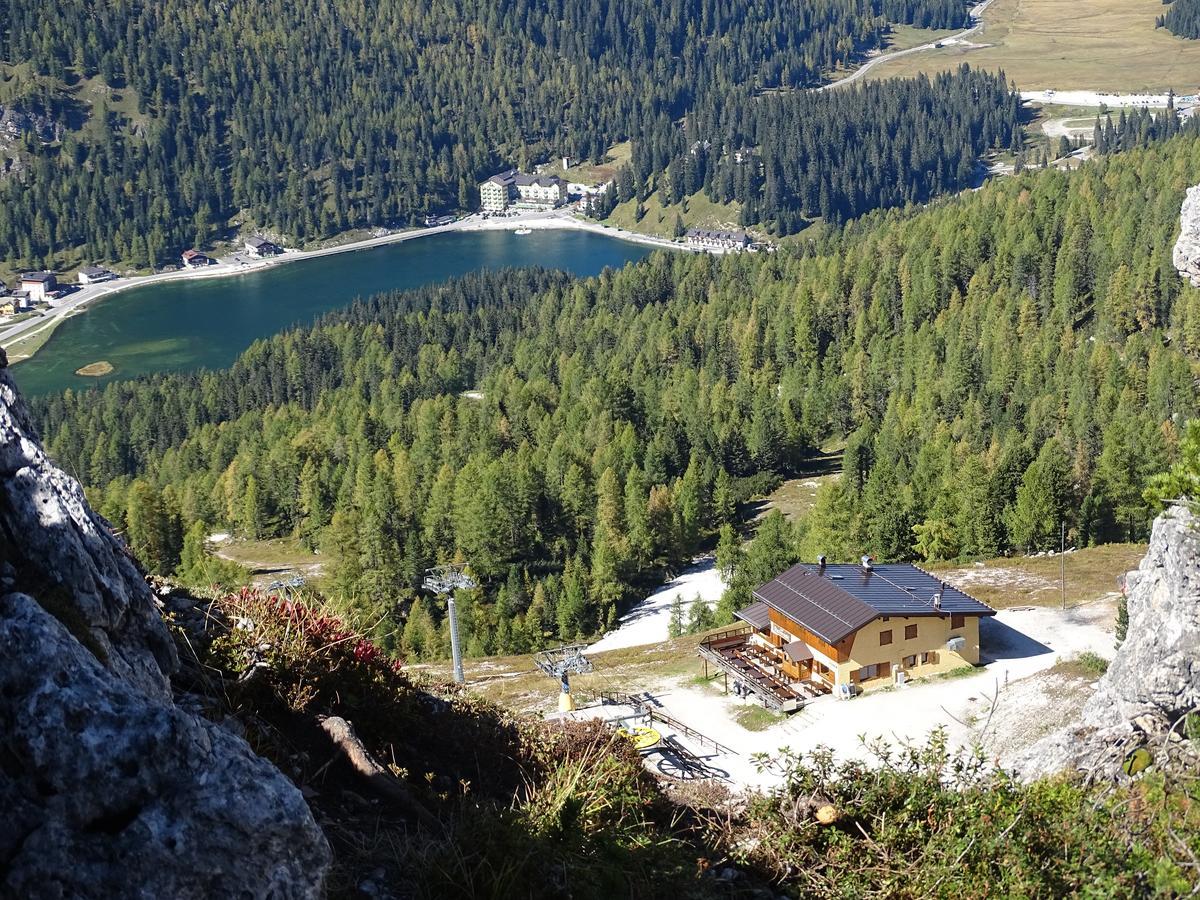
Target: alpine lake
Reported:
point(206, 323)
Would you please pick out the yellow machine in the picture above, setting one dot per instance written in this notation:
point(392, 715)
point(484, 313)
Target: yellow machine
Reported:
point(559, 663)
point(643, 738)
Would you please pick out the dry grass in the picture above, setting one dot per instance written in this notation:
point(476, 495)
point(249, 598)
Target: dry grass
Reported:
point(697, 211)
point(269, 559)
point(904, 37)
point(31, 342)
point(796, 497)
point(1104, 45)
point(593, 173)
point(1092, 574)
point(515, 682)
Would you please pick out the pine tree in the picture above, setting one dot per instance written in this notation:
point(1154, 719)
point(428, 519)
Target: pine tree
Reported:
point(675, 626)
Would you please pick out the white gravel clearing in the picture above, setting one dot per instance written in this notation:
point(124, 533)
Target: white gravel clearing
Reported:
point(1017, 643)
point(648, 620)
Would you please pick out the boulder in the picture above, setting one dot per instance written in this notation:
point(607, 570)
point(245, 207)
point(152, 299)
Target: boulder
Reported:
point(1154, 678)
point(1186, 255)
point(110, 789)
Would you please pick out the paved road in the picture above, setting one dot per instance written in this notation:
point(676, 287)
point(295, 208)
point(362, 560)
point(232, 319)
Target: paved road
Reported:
point(976, 17)
point(238, 263)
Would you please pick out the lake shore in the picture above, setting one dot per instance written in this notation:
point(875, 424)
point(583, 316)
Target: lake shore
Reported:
point(26, 338)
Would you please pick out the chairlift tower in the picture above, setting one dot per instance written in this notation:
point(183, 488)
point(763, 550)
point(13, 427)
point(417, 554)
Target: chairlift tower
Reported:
point(559, 663)
point(443, 581)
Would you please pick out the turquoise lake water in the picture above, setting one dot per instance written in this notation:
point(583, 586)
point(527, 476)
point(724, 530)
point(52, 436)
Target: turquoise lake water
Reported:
point(206, 323)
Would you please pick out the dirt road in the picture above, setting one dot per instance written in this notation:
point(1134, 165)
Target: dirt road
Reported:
point(976, 14)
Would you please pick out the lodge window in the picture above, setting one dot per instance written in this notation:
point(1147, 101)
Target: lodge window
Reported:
point(885, 638)
point(910, 632)
point(910, 661)
point(957, 620)
point(875, 670)
point(929, 659)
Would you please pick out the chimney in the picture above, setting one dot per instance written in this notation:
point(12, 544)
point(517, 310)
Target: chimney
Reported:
point(866, 561)
point(937, 598)
point(821, 564)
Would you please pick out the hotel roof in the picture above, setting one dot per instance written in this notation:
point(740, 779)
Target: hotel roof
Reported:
point(834, 601)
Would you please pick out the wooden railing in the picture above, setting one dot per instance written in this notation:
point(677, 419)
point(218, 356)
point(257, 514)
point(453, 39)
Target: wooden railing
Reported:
point(642, 707)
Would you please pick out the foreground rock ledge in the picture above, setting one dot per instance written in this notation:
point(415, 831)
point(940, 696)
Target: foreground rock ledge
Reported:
point(1155, 677)
point(108, 788)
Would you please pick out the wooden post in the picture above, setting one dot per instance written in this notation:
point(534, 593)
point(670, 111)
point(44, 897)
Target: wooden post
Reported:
point(1062, 560)
point(727, 682)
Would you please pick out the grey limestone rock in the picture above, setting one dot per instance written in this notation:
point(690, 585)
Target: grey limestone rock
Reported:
point(1155, 676)
point(1186, 255)
point(110, 789)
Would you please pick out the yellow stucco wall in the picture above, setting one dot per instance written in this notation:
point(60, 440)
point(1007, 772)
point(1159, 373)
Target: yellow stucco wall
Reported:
point(932, 634)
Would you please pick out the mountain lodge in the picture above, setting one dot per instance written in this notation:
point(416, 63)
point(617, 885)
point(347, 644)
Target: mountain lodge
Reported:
point(816, 629)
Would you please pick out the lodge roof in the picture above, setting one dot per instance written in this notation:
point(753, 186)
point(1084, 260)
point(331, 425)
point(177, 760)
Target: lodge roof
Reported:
point(834, 601)
point(540, 180)
point(93, 271)
point(757, 614)
point(38, 277)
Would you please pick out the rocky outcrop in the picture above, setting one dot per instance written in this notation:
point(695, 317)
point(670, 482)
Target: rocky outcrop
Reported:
point(53, 547)
point(1154, 678)
point(16, 121)
point(1186, 255)
point(110, 789)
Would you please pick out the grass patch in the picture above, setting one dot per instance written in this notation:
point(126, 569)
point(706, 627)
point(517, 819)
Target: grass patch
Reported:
point(30, 343)
point(753, 717)
point(1106, 45)
point(617, 156)
point(269, 557)
point(1086, 665)
point(697, 211)
point(964, 671)
point(514, 681)
point(905, 37)
point(1092, 573)
point(796, 497)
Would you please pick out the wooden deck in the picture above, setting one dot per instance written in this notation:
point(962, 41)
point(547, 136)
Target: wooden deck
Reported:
point(756, 669)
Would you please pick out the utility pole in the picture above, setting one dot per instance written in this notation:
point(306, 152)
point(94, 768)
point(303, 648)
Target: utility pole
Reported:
point(1062, 561)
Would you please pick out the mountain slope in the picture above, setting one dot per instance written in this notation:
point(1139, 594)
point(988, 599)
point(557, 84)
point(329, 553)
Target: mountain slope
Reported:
point(997, 363)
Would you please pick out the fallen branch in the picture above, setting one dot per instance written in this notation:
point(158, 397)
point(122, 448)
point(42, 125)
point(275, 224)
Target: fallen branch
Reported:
point(379, 779)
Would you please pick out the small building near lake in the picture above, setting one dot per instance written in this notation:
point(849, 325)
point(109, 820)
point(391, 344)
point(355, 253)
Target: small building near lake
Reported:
point(710, 239)
point(259, 246)
point(846, 629)
point(94, 275)
point(194, 259)
point(40, 286)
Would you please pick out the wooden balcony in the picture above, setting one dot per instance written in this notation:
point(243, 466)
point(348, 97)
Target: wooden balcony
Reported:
point(766, 673)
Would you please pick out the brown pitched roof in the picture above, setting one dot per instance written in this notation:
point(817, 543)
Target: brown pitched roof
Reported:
point(756, 614)
point(816, 603)
point(835, 601)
